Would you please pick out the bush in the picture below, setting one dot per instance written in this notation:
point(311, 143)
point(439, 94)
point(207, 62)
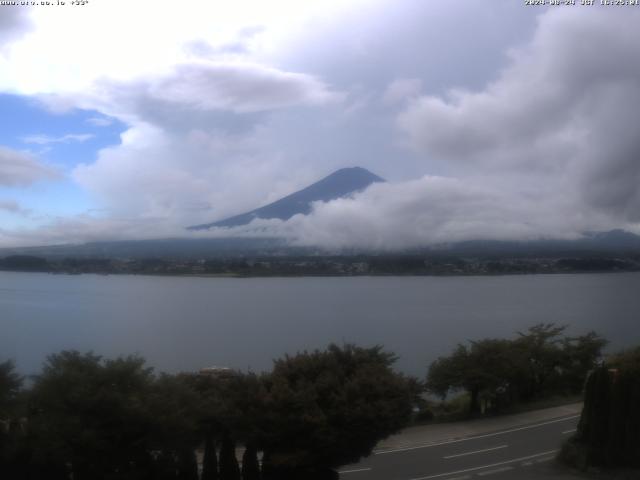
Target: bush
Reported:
point(329, 408)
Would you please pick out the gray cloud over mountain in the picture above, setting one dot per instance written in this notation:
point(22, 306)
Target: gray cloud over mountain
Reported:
point(14, 21)
point(486, 128)
point(562, 112)
point(21, 169)
point(12, 206)
point(549, 149)
point(238, 88)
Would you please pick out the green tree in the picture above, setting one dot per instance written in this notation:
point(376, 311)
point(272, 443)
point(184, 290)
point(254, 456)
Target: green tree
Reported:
point(10, 384)
point(328, 408)
point(540, 356)
point(92, 415)
point(580, 355)
point(174, 409)
point(482, 369)
point(187, 464)
point(447, 373)
point(250, 464)
point(229, 469)
point(608, 433)
point(231, 406)
point(11, 437)
point(210, 458)
point(500, 372)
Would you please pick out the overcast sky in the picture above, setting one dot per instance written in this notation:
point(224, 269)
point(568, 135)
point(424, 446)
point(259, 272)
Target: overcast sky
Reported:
point(489, 120)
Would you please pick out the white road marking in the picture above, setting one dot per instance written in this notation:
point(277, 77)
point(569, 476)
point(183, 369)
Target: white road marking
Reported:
point(569, 431)
point(542, 460)
point(526, 464)
point(476, 451)
point(466, 477)
point(355, 470)
point(496, 470)
point(466, 470)
point(428, 445)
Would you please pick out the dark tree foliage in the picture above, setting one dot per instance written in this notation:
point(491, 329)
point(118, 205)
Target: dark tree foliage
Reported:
point(231, 405)
point(229, 469)
point(10, 384)
point(175, 410)
point(329, 408)
point(164, 466)
point(10, 426)
point(594, 421)
point(24, 263)
point(91, 414)
point(580, 355)
point(481, 367)
point(539, 358)
point(210, 458)
point(250, 464)
point(500, 372)
point(609, 428)
point(231, 402)
point(89, 418)
point(187, 464)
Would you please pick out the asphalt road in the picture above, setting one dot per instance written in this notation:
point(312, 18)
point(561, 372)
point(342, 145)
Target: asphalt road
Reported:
point(518, 452)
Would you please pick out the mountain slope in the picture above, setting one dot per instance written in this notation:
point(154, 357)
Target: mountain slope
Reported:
point(340, 183)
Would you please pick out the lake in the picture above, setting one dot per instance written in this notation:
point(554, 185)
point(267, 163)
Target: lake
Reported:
point(185, 323)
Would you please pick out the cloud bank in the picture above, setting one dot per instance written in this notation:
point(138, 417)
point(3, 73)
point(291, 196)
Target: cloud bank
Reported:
point(219, 124)
point(561, 113)
point(22, 169)
point(550, 149)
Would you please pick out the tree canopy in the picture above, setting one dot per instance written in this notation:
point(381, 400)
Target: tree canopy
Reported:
point(10, 384)
point(328, 408)
point(537, 362)
point(86, 417)
point(608, 433)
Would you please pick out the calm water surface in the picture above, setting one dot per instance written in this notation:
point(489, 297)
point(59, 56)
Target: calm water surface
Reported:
point(180, 323)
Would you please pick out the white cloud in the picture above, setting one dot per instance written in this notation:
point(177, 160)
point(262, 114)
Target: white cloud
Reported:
point(189, 177)
point(100, 121)
point(41, 139)
point(215, 121)
point(424, 212)
point(21, 169)
point(14, 207)
point(51, 59)
point(550, 149)
point(193, 107)
point(238, 88)
point(85, 228)
point(402, 89)
point(562, 114)
point(14, 23)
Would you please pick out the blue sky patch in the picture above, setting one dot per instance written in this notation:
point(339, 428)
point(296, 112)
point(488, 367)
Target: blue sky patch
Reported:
point(65, 140)
point(60, 140)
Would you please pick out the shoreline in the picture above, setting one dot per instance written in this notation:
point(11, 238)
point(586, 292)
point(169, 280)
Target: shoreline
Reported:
point(326, 275)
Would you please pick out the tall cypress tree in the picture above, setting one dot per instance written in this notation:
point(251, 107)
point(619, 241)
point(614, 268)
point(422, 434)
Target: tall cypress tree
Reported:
point(187, 465)
point(593, 428)
point(609, 427)
point(250, 464)
point(623, 446)
point(210, 460)
point(229, 469)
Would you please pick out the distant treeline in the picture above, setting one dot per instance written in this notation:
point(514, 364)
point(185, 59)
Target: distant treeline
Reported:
point(342, 265)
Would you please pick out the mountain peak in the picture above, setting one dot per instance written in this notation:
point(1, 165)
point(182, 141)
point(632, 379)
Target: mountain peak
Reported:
point(341, 183)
